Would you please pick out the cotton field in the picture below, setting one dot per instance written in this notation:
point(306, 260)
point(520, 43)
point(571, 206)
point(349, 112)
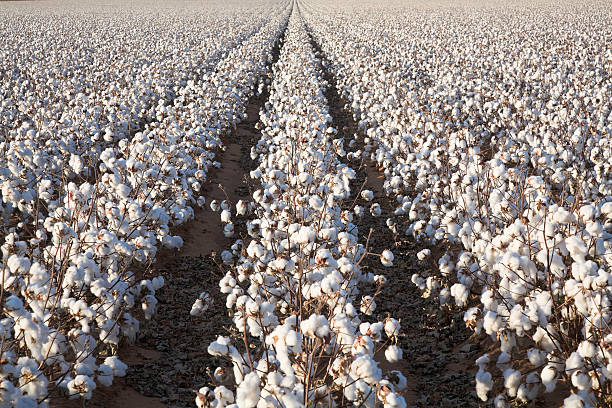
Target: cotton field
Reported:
point(291, 203)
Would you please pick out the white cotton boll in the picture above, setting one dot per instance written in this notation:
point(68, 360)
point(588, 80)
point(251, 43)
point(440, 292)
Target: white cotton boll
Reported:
point(315, 326)
point(367, 195)
point(575, 401)
point(204, 397)
point(201, 201)
point(201, 304)
point(500, 401)
point(393, 354)
point(214, 205)
point(536, 357)
point(398, 380)
point(574, 362)
point(392, 327)
point(512, 380)
point(421, 255)
point(224, 396)
point(444, 296)
point(359, 211)
point(386, 258)
point(366, 368)
point(576, 247)
point(484, 384)
point(226, 216)
point(105, 375)
point(482, 361)
point(241, 207)
point(76, 163)
point(460, 293)
point(119, 368)
point(368, 305)
point(587, 349)
point(549, 377)
point(248, 392)
point(81, 385)
point(149, 303)
point(228, 230)
point(123, 191)
point(304, 235)
point(581, 380)
point(375, 210)
point(316, 202)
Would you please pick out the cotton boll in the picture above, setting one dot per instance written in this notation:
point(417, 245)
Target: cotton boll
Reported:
point(484, 384)
point(386, 258)
point(81, 385)
point(393, 354)
point(201, 304)
point(368, 305)
point(512, 380)
point(587, 349)
point(367, 195)
point(241, 207)
point(424, 253)
point(226, 216)
point(375, 210)
point(118, 367)
point(460, 293)
point(315, 326)
point(392, 327)
point(228, 230)
point(536, 357)
point(204, 397)
point(248, 392)
point(549, 377)
point(575, 401)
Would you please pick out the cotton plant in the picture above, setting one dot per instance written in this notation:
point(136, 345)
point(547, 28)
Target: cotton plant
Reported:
point(293, 290)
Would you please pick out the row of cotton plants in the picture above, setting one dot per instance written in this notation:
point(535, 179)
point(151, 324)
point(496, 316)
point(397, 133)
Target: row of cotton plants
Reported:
point(496, 142)
point(305, 335)
point(69, 293)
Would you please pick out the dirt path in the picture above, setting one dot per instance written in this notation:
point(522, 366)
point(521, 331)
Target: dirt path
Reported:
point(438, 361)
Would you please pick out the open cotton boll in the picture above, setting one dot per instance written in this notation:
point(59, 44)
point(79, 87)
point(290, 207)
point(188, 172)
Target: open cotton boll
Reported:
point(484, 384)
point(549, 377)
point(248, 392)
point(315, 326)
point(226, 216)
point(241, 207)
point(367, 195)
point(368, 305)
point(214, 205)
point(81, 386)
point(366, 368)
point(392, 327)
point(386, 258)
point(119, 368)
point(393, 354)
point(424, 253)
point(375, 210)
point(460, 293)
point(512, 380)
point(304, 235)
point(201, 304)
